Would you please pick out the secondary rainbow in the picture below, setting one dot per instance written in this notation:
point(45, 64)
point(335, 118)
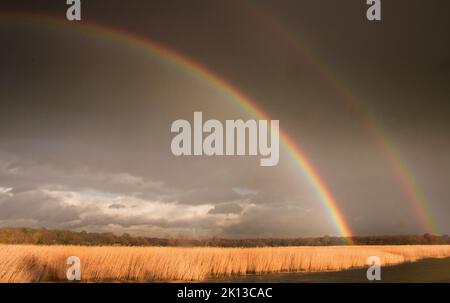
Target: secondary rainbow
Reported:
point(403, 175)
point(298, 156)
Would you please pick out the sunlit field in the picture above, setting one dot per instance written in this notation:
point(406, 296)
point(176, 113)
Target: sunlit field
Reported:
point(31, 263)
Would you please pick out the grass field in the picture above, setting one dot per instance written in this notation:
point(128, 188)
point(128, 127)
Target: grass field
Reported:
point(32, 263)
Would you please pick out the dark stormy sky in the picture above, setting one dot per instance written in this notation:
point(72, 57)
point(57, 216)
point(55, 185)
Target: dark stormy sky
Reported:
point(85, 119)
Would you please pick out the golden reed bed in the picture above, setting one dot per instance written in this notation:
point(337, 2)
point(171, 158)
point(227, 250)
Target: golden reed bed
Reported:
point(30, 263)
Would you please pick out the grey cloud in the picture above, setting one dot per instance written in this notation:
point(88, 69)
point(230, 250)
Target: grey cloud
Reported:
point(244, 191)
point(282, 221)
point(226, 208)
point(37, 205)
point(117, 206)
point(202, 195)
point(26, 174)
point(77, 210)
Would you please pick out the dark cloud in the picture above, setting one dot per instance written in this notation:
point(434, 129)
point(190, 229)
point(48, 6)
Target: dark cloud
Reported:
point(85, 119)
point(277, 222)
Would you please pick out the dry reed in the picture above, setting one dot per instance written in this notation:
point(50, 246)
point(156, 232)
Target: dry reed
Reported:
point(31, 263)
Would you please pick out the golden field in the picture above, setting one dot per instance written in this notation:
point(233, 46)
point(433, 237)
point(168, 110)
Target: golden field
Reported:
point(32, 263)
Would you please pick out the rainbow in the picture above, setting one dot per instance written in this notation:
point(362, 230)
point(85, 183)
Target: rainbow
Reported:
point(403, 175)
point(162, 51)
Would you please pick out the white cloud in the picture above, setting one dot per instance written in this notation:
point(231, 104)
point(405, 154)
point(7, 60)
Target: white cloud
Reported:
point(244, 191)
point(5, 192)
point(68, 209)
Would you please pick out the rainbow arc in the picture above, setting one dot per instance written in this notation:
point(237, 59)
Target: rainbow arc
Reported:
point(296, 153)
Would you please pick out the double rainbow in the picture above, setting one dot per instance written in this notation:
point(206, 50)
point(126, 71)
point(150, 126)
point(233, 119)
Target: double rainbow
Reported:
point(224, 87)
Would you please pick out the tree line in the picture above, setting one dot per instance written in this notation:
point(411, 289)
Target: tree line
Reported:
point(65, 237)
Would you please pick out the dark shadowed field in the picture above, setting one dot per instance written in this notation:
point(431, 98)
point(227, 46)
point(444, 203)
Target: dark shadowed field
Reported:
point(426, 271)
